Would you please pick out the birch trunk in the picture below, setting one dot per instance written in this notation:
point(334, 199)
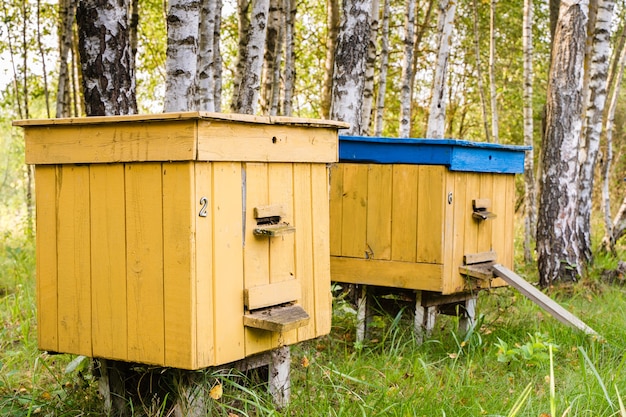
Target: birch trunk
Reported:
point(243, 16)
point(382, 73)
point(333, 23)
point(272, 58)
point(348, 79)
point(594, 110)
point(42, 56)
point(492, 73)
point(217, 58)
point(559, 256)
point(181, 64)
point(407, 71)
point(479, 75)
point(290, 55)
point(370, 63)
point(421, 30)
point(106, 59)
point(249, 89)
point(205, 83)
point(67, 12)
point(437, 116)
point(530, 193)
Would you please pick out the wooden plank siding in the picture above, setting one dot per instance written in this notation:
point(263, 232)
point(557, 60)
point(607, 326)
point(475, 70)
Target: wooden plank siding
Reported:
point(409, 226)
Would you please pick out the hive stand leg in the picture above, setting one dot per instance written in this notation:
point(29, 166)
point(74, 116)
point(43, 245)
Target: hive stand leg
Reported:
point(468, 317)
point(424, 318)
point(361, 313)
point(279, 378)
point(112, 386)
point(190, 395)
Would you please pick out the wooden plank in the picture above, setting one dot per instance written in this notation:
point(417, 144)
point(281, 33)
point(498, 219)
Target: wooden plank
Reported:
point(354, 210)
point(270, 210)
point(179, 261)
point(272, 294)
point(223, 141)
point(144, 234)
point(121, 142)
point(205, 342)
point(452, 248)
point(73, 251)
point(274, 230)
point(336, 208)
point(46, 248)
point(304, 212)
point(480, 271)
point(430, 221)
point(541, 299)
point(453, 282)
point(474, 258)
point(395, 274)
point(379, 203)
point(228, 278)
point(404, 213)
point(485, 228)
point(108, 259)
point(321, 249)
point(277, 319)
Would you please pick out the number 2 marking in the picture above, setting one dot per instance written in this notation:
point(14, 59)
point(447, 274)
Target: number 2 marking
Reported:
point(204, 202)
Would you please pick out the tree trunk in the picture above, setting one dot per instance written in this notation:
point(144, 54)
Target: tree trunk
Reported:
point(181, 63)
point(249, 89)
point(370, 63)
point(104, 44)
point(559, 256)
point(205, 83)
point(479, 75)
point(290, 55)
point(382, 73)
point(217, 58)
point(243, 16)
point(530, 197)
point(594, 110)
point(437, 116)
point(348, 80)
point(333, 24)
point(492, 72)
point(67, 12)
point(42, 54)
point(406, 88)
point(272, 58)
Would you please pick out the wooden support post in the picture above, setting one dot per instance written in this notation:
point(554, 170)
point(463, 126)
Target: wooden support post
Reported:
point(361, 313)
point(468, 317)
point(279, 378)
point(190, 396)
point(112, 386)
point(424, 318)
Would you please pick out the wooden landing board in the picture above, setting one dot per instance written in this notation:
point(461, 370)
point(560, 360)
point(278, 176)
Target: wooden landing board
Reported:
point(277, 319)
point(541, 299)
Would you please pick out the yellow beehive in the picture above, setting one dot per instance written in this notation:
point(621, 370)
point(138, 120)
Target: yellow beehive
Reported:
point(422, 214)
point(168, 239)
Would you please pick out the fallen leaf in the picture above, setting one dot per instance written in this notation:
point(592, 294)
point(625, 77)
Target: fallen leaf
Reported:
point(216, 392)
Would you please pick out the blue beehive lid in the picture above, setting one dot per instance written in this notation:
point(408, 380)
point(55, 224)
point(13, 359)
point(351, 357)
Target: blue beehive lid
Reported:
point(457, 155)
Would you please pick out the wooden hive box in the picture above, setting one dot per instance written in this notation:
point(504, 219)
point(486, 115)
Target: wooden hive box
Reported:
point(420, 213)
point(182, 240)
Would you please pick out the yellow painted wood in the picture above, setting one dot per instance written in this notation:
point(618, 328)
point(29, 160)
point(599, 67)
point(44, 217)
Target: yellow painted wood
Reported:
point(125, 142)
point(354, 210)
point(396, 274)
point(228, 273)
point(272, 294)
point(321, 249)
point(277, 319)
point(304, 212)
point(144, 236)
point(205, 339)
point(453, 232)
point(379, 204)
point(223, 141)
point(404, 213)
point(336, 208)
point(179, 264)
point(73, 252)
point(108, 260)
point(485, 227)
point(46, 248)
point(432, 198)
point(272, 210)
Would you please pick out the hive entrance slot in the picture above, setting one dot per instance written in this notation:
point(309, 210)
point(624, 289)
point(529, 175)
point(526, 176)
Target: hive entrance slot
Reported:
point(269, 220)
point(277, 319)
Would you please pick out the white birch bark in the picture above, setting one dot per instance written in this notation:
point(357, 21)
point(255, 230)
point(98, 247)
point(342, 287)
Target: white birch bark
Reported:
point(407, 71)
point(181, 61)
point(382, 73)
point(559, 256)
point(249, 89)
point(594, 110)
point(217, 58)
point(270, 90)
point(370, 63)
point(530, 218)
point(290, 56)
point(492, 73)
point(350, 59)
point(437, 116)
point(243, 9)
point(67, 12)
point(205, 83)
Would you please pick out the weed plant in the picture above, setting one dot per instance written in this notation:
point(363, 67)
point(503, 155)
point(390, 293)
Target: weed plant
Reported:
point(515, 360)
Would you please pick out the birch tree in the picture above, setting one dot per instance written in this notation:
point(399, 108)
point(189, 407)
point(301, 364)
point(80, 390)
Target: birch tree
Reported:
point(270, 91)
point(290, 55)
point(333, 22)
point(106, 58)
point(382, 72)
point(370, 63)
point(492, 72)
point(406, 88)
point(205, 83)
point(594, 108)
point(437, 115)
point(559, 256)
point(181, 65)
point(67, 12)
point(479, 75)
point(348, 81)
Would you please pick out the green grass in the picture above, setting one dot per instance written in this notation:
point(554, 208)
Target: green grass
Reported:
point(502, 367)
